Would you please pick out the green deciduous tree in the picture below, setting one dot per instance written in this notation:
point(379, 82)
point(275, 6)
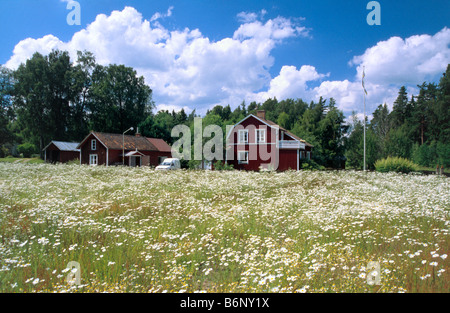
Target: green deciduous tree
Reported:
point(120, 99)
point(32, 100)
point(55, 99)
point(381, 125)
point(82, 76)
point(398, 143)
point(283, 120)
point(355, 145)
point(6, 109)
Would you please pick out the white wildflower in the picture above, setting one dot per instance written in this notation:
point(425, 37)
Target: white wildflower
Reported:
point(433, 263)
point(43, 241)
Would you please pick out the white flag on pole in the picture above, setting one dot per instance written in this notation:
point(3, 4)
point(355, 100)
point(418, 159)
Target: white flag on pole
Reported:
point(363, 75)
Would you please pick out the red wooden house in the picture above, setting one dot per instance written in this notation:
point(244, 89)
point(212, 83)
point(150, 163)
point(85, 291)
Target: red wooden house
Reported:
point(256, 143)
point(108, 149)
point(60, 151)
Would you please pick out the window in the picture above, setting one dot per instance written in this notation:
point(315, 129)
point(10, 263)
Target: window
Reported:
point(302, 155)
point(243, 157)
point(93, 159)
point(243, 136)
point(161, 159)
point(93, 144)
point(308, 155)
point(260, 136)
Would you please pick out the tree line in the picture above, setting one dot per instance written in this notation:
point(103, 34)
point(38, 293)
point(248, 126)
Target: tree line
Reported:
point(53, 98)
point(417, 128)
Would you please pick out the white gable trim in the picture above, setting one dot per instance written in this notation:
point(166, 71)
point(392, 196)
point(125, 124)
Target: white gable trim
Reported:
point(92, 133)
point(251, 115)
point(47, 145)
point(286, 134)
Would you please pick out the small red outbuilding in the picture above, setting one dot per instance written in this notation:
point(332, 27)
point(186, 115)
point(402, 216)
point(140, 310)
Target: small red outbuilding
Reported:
point(117, 149)
point(60, 151)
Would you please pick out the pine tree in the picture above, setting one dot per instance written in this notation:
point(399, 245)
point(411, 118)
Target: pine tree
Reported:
point(442, 109)
point(398, 114)
point(421, 115)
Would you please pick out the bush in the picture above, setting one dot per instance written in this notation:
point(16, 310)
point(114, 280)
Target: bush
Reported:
point(311, 165)
point(223, 166)
point(74, 162)
point(184, 164)
point(395, 164)
point(194, 164)
point(27, 149)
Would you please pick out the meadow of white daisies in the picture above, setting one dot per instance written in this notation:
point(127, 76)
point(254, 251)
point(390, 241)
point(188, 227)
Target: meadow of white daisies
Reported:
point(139, 230)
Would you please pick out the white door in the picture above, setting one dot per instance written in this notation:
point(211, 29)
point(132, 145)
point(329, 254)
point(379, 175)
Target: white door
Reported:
point(135, 161)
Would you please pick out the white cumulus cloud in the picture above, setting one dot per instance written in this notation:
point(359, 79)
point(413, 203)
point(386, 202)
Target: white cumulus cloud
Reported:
point(291, 83)
point(183, 67)
point(389, 65)
point(406, 61)
point(188, 70)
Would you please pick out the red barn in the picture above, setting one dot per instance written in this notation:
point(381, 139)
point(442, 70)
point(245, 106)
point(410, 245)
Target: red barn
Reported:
point(60, 151)
point(107, 149)
point(256, 143)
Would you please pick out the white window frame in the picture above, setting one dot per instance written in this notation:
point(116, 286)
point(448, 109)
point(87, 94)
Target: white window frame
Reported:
point(93, 157)
point(93, 144)
point(243, 131)
point(308, 155)
point(240, 160)
point(258, 133)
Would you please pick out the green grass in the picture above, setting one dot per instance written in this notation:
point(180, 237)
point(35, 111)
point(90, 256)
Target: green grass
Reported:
point(431, 169)
point(140, 230)
point(22, 160)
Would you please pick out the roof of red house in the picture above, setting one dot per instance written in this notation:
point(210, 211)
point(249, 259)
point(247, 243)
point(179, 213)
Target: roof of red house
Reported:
point(128, 142)
point(160, 144)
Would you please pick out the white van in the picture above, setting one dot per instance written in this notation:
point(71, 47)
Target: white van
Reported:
point(169, 164)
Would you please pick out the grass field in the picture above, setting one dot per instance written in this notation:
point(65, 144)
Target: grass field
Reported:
point(138, 230)
point(22, 160)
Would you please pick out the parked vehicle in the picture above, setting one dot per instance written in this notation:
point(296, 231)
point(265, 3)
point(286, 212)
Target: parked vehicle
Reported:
point(169, 164)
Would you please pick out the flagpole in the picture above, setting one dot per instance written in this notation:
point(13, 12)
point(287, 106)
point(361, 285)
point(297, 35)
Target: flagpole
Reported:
point(364, 132)
point(365, 92)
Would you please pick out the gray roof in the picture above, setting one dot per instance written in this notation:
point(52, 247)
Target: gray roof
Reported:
point(64, 146)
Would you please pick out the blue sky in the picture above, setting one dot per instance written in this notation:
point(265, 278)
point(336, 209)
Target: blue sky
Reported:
point(196, 54)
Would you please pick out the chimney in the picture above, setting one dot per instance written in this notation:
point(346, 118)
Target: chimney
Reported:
point(138, 134)
point(261, 114)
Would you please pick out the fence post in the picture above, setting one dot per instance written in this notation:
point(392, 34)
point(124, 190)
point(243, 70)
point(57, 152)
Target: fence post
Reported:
point(442, 169)
point(437, 169)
